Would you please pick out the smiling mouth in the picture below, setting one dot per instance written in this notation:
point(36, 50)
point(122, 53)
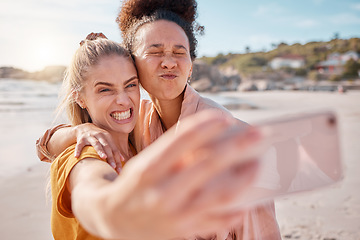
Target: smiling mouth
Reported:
point(121, 115)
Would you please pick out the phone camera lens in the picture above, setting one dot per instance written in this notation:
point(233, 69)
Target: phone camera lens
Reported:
point(332, 121)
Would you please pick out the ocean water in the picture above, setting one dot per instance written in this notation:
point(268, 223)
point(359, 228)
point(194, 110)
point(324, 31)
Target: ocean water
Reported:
point(26, 110)
point(27, 95)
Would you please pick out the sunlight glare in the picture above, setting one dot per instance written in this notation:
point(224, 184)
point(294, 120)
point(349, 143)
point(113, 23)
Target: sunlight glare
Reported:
point(45, 54)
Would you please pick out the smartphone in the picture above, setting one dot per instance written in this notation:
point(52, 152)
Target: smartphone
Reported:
point(298, 153)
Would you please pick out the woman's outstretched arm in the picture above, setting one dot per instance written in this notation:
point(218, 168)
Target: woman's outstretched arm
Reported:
point(167, 190)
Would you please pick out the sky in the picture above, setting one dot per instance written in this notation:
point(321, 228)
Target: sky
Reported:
point(39, 33)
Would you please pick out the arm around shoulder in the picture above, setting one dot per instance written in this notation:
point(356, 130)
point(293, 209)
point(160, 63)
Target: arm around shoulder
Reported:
point(45, 148)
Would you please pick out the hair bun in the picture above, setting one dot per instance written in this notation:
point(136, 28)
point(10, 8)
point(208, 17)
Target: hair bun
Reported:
point(132, 10)
point(93, 36)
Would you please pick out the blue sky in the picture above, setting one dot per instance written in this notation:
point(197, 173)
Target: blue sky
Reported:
point(37, 33)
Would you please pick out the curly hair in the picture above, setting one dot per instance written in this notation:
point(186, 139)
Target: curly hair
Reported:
point(135, 13)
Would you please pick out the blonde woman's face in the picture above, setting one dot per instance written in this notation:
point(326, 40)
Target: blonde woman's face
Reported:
point(111, 94)
point(162, 57)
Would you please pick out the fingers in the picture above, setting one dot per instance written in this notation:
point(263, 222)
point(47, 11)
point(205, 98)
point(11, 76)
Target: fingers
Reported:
point(205, 224)
point(102, 142)
point(119, 161)
point(113, 155)
point(94, 36)
point(90, 141)
point(220, 222)
point(210, 161)
point(79, 147)
point(108, 149)
point(224, 192)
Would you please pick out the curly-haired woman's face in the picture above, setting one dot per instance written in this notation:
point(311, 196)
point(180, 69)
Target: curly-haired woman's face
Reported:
point(162, 57)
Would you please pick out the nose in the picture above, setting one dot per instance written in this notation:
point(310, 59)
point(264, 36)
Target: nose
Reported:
point(123, 99)
point(168, 62)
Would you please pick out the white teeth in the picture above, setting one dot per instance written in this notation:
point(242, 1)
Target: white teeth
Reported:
point(121, 115)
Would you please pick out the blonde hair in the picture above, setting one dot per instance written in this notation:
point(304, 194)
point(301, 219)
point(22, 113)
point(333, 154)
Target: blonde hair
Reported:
point(87, 55)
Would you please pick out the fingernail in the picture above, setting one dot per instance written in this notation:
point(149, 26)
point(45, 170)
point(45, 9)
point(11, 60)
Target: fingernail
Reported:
point(113, 165)
point(103, 155)
point(118, 170)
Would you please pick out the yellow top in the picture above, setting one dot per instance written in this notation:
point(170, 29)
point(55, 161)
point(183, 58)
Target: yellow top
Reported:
point(64, 225)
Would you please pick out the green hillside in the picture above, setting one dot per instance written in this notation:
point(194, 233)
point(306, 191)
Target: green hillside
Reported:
point(255, 62)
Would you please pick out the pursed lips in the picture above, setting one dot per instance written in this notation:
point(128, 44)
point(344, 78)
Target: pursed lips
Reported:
point(168, 76)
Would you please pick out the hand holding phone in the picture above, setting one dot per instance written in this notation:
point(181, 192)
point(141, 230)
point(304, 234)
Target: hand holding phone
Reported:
point(298, 153)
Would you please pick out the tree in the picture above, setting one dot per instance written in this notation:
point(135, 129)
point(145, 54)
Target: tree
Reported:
point(351, 69)
point(282, 44)
point(336, 35)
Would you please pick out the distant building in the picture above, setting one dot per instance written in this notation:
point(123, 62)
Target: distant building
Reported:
point(350, 55)
point(288, 61)
point(335, 62)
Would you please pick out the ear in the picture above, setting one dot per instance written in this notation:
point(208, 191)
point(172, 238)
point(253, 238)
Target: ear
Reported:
point(78, 99)
point(190, 72)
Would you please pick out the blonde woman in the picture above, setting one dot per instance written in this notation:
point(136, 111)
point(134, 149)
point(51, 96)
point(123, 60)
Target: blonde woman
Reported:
point(101, 87)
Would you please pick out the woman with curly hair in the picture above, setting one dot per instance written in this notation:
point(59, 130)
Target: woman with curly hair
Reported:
point(163, 44)
point(160, 35)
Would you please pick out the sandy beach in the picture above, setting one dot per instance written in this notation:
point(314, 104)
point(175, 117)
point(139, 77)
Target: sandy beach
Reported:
point(330, 213)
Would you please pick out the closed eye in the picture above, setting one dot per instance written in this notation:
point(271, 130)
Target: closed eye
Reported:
point(155, 53)
point(179, 53)
point(104, 90)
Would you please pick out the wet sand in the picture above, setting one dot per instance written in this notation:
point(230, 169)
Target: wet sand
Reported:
point(331, 213)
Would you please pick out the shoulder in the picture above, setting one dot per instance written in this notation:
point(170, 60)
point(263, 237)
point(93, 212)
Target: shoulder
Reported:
point(60, 171)
point(146, 109)
point(145, 103)
point(193, 99)
point(67, 158)
point(206, 103)
point(202, 103)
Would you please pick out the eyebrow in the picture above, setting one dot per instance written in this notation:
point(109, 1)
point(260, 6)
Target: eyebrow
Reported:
point(130, 79)
point(103, 83)
point(110, 84)
point(159, 45)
